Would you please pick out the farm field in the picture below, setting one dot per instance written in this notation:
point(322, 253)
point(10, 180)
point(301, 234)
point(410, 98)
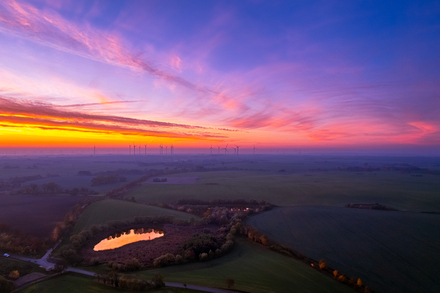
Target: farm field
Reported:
point(62, 166)
point(254, 269)
point(73, 283)
point(35, 214)
point(64, 170)
point(74, 181)
point(104, 211)
point(335, 188)
point(389, 251)
point(303, 163)
point(7, 265)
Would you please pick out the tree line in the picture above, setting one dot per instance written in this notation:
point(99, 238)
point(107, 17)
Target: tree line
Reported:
point(113, 279)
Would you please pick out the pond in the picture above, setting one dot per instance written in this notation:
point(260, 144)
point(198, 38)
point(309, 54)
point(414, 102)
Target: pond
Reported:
point(127, 237)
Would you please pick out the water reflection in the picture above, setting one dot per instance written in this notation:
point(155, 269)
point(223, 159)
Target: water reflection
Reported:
point(127, 237)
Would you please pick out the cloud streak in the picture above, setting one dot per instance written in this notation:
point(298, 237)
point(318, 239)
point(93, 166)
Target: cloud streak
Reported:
point(51, 30)
point(93, 104)
point(47, 116)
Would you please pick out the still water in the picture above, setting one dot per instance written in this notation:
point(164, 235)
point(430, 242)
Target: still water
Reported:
point(124, 238)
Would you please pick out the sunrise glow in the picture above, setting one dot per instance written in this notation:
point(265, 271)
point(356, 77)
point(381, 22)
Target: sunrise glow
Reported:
point(201, 73)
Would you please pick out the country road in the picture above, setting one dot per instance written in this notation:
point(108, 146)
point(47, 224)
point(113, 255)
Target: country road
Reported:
point(42, 262)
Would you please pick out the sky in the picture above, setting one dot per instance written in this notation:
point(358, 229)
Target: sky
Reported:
point(274, 74)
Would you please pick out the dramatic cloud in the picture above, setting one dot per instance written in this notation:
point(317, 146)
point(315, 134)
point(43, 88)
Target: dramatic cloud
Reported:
point(51, 30)
point(42, 115)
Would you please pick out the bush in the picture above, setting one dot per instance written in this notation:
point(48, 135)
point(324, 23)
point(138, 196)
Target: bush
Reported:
point(164, 260)
point(322, 264)
point(14, 275)
point(158, 281)
point(5, 285)
point(132, 264)
point(203, 256)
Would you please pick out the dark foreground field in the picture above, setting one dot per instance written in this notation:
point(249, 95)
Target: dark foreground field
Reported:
point(255, 269)
point(35, 215)
point(73, 283)
point(389, 251)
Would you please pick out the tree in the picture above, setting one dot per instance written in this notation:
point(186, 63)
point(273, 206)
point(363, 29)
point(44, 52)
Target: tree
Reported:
point(230, 282)
point(158, 281)
point(132, 264)
point(51, 187)
point(263, 240)
point(113, 277)
point(74, 191)
point(342, 278)
point(60, 265)
point(33, 188)
point(322, 264)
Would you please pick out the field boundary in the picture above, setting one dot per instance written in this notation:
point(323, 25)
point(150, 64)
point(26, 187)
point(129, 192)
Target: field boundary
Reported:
point(256, 236)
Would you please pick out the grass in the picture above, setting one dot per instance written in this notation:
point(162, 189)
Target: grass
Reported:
point(8, 265)
point(389, 251)
point(254, 269)
point(73, 283)
point(321, 188)
point(104, 211)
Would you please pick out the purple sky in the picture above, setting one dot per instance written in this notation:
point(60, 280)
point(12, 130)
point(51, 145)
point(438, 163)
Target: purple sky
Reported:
point(343, 74)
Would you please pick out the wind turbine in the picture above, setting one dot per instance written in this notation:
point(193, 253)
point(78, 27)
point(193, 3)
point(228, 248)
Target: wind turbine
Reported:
point(254, 149)
point(211, 149)
point(172, 149)
point(134, 149)
point(129, 149)
point(226, 149)
point(218, 150)
point(145, 149)
point(94, 149)
point(238, 148)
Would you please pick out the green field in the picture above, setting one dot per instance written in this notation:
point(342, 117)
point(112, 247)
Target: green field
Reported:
point(73, 283)
point(104, 211)
point(254, 269)
point(320, 188)
point(389, 251)
point(8, 265)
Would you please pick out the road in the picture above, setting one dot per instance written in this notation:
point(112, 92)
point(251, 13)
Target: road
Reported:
point(42, 262)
